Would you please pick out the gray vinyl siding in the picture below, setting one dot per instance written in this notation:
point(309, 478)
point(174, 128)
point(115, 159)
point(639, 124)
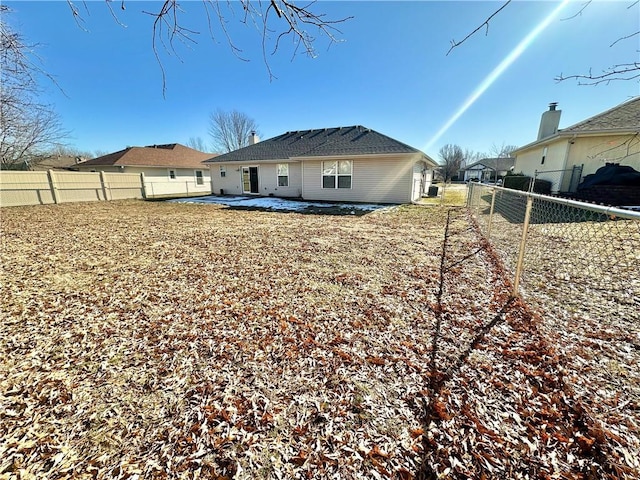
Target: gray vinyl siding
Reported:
point(231, 183)
point(268, 180)
point(385, 179)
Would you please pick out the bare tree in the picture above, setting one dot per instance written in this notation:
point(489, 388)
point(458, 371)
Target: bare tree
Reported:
point(502, 151)
point(28, 128)
point(470, 156)
point(197, 143)
point(273, 20)
point(621, 71)
point(451, 158)
point(230, 130)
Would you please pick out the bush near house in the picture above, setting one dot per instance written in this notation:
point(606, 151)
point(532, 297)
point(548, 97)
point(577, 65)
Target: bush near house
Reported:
point(523, 182)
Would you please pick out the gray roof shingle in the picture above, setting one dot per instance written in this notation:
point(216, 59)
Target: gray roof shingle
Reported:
point(354, 140)
point(498, 164)
point(624, 116)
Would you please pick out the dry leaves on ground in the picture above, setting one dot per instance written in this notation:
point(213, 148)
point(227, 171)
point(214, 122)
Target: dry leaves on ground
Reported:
point(152, 340)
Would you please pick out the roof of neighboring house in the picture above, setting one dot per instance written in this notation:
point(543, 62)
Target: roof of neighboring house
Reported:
point(53, 162)
point(621, 119)
point(497, 164)
point(323, 142)
point(170, 155)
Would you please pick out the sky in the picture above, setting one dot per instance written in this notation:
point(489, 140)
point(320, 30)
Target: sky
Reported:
point(388, 70)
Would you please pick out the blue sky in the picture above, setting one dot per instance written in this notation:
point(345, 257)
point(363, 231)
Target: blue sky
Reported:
point(390, 72)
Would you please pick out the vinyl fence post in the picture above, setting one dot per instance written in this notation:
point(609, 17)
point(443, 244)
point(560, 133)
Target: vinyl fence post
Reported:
point(105, 191)
point(52, 186)
point(143, 190)
point(493, 203)
point(523, 244)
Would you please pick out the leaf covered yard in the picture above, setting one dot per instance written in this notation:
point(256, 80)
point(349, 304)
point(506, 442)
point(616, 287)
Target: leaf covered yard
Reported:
point(159, 340)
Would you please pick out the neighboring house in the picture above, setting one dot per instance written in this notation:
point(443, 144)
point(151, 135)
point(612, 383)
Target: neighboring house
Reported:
point(565, 156)
point(353, 164)
point(168, 170)
point(488, 169)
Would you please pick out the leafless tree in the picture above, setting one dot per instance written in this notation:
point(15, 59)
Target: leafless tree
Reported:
point(451, 158)
point(502, 151)
point(28, 128)
point(273, 20)
point(230, 130)
point(197, 143)
point(471, 156)
point(621, 71)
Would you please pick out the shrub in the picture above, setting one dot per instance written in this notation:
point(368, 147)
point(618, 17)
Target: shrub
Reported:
point(522, 182)
point(517, 182)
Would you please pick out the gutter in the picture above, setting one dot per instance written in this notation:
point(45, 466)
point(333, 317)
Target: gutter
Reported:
point(563, 134)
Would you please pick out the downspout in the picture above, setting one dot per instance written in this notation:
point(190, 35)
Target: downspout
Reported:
point(302, 177)
point(566, 153)
point(570, 142)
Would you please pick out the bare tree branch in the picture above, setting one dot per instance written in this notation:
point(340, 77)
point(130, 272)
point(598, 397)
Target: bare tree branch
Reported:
point(579, 12)
point(623, 71)
point(291, 20)
point(625, 38)
point(451, 160)
point(455, 44)
point(27, 127)
point(230, 130)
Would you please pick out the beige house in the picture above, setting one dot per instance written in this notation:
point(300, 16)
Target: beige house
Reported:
point(350, 164)
point(565, 156)
point(168, 170)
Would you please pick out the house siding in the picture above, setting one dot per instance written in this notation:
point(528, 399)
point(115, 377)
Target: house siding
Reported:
point(530, 161)
point(231, 183)
point(385, 179)
point(594, 152)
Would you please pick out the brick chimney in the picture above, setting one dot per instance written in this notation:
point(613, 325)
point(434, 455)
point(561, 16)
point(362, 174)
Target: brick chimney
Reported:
point(549, 122)
point(253, 138)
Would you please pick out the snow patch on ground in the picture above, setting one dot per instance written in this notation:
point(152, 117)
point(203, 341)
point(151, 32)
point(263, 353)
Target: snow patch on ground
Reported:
point(279, 204)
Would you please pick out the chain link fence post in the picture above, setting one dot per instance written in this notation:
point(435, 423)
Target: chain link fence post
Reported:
point(523, 245)
point(493, 203)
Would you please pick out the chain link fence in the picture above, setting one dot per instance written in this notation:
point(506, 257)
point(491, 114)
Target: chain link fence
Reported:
point(569, 257)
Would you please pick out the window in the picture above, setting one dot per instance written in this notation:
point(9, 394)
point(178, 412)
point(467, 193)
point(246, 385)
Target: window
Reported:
point(283, 174)
point(223, 171)
point(336, 174)
point(172, 174)
point(199, 177)
point(544, 155)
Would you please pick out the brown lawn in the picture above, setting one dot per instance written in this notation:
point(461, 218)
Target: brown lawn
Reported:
point(158, 340)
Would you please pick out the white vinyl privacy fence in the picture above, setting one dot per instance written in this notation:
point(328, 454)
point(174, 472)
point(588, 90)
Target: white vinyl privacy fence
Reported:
point(40, 188)
point(582, 256)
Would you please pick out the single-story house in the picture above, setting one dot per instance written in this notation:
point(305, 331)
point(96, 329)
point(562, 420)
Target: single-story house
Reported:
point(488, 169)
point(353, 164)
point(168, 170)
point(565, 156)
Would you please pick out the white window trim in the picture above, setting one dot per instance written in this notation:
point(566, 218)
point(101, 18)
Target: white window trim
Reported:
point(175, 174)
point(336, 175)
point(223, 171)
point(195, 176)
point(278, 176)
